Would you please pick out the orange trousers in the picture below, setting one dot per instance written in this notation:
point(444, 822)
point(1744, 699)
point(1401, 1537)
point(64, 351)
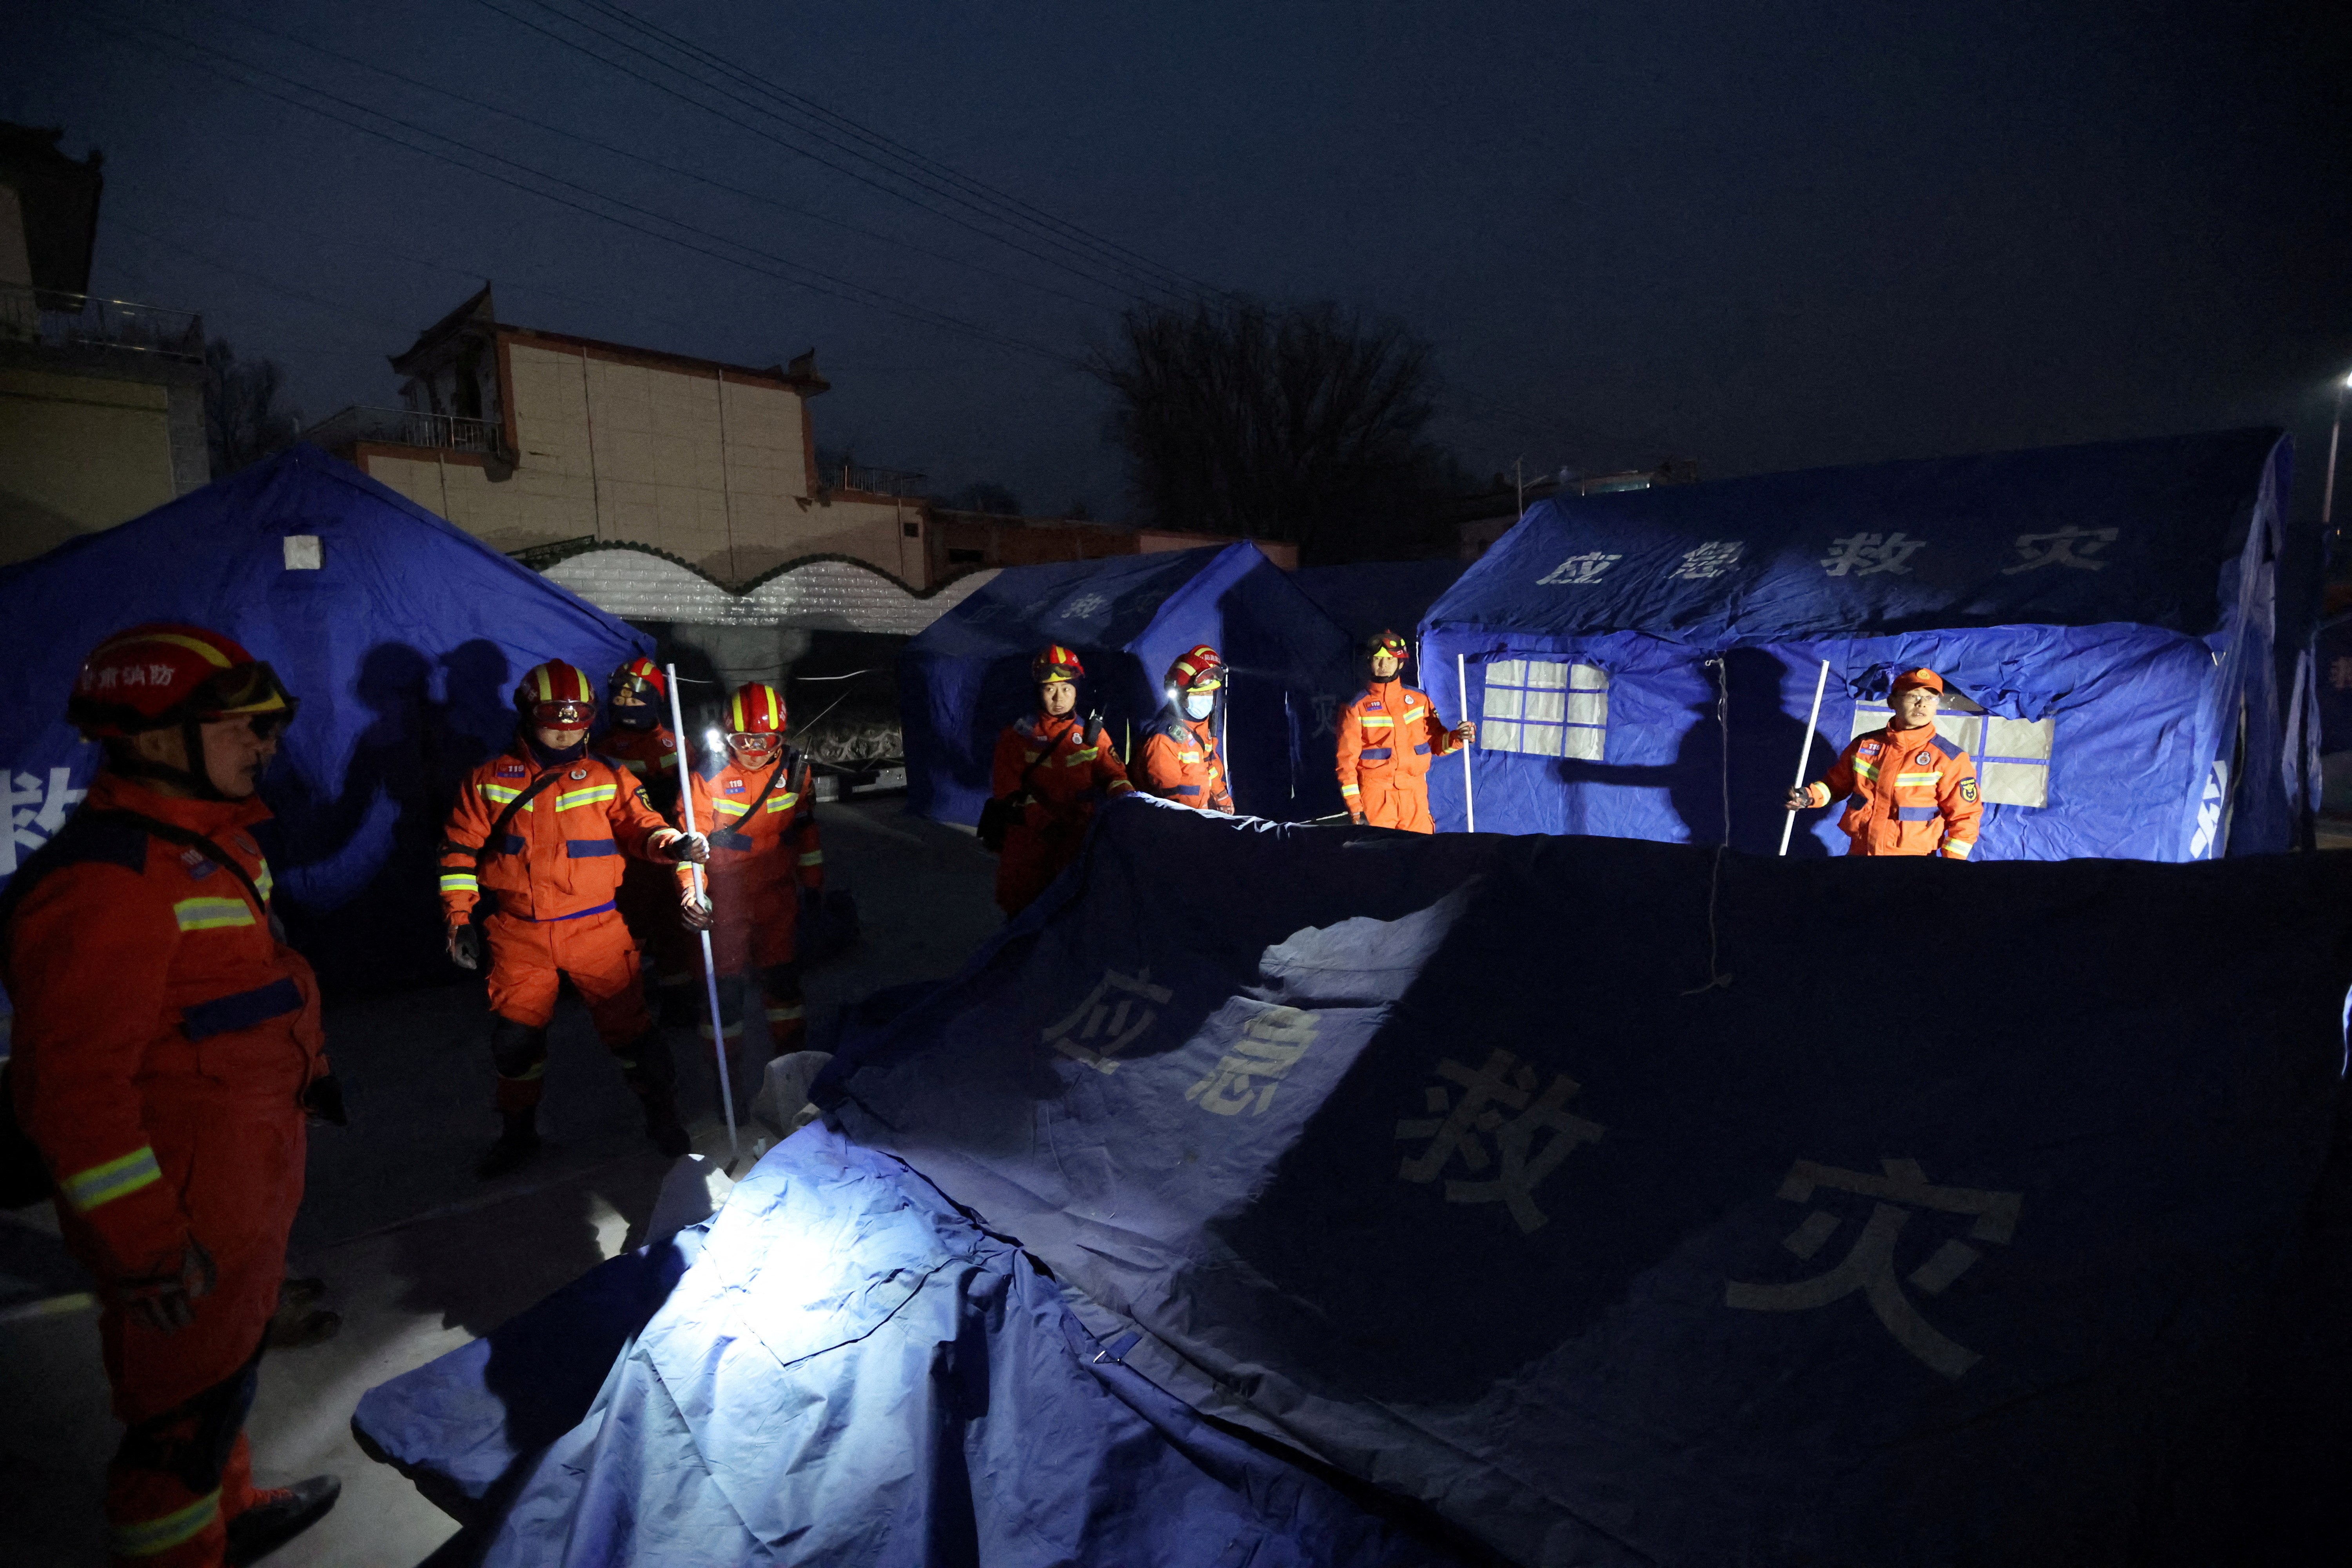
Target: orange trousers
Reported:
point(1402, 803)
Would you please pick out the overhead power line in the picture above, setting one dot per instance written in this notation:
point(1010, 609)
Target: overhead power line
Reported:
point(892, 149)
point(676, 169)
point(1136, 289)
point(782, 268)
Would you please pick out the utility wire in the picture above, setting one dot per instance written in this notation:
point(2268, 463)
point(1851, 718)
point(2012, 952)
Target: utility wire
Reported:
point(674, 169)
point(900, 152)
point(799, 151)
point(843, 289)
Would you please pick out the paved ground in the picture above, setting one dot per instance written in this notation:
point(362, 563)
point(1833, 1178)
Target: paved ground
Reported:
point(419, 1256)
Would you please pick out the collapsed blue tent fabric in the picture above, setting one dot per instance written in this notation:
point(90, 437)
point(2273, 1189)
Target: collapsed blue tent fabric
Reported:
point(402, 642)
point(851, 1372)
point(1373, 596)
point(966, 677)
point(1643, 662)
point(1627, 1216)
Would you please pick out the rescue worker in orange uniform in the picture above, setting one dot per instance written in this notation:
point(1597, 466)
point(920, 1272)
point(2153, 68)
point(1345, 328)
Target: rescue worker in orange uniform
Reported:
point(1388, 735)
point(167, 1051)
point(1908, 790)
point(1050, 767)
point(636, 737)
point(542, 831)
point(1181, 760)
point(761, 819)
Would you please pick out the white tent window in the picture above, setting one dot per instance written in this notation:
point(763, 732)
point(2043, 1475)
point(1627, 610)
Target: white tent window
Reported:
point(2013, 755)
point(1545, 709)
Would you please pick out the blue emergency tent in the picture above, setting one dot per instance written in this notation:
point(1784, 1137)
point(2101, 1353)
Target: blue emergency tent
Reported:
point(966, 677)
point(1439, 1161)
point(1372, 596)
point(1642, 662)
point(401, 635)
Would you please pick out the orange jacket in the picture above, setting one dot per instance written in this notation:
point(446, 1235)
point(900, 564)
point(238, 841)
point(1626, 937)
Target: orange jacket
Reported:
point(566, 849)
point(1389, 735)
point(1181, 763)
point(650, 754)
point(153, 999)
point(1908, 792)
point(1067, 770)
point(770, 846)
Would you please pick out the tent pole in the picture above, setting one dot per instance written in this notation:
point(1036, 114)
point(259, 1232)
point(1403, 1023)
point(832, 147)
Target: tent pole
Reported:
point(709, 969)
point(1805, 751)
point(1461, 683)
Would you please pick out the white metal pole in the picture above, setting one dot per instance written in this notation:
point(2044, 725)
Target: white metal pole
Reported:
point(1805, 751)
point(2327, 490)
point(1462, 682)
point(701, 889)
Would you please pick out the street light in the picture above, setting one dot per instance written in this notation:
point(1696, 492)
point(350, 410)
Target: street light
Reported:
point(2335, 433)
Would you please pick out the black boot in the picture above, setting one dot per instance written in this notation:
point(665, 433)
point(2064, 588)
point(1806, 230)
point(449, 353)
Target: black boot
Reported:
point(652, 1076)
point(518, 1145)
point(277, 1516)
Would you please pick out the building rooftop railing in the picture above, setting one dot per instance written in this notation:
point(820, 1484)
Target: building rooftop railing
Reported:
point(873, 482)
point(404, 427)
point(77, 320)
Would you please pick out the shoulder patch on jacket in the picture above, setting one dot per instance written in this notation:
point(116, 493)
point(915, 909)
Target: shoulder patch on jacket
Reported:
point(1949, 750)
point(88, 837)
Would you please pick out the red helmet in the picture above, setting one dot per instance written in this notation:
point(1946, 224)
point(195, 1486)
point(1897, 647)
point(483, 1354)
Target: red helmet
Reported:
point(1200, 667)
point(1387, 642)
point(556, 695)
point(159, 675)
point(756, 708)
point(642, 676)
point(1057, 663)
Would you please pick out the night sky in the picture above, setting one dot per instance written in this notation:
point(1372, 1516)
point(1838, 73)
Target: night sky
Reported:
point(1763, 235)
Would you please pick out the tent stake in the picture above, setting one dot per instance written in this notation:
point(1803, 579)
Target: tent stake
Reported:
point(701, 890)
point(1461, 681)
point(1805, 751)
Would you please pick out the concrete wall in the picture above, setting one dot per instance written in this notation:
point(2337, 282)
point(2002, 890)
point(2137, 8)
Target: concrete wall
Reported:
point(80, 453)
point(710, 469)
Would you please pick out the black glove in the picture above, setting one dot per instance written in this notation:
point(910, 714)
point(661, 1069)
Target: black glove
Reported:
point(465, 946)
point(324, 1101)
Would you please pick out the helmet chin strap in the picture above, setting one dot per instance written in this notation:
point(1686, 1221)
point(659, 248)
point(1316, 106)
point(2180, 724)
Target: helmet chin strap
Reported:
point(196, 780)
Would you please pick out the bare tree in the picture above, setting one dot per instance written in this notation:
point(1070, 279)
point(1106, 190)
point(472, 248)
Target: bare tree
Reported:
point(1303, 423)
point(244, 421)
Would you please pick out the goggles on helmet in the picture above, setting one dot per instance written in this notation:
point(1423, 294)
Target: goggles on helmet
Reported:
point(754, 741)
point(562, 715)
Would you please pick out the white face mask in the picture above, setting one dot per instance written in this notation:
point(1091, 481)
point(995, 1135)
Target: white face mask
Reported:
point(1199, 704)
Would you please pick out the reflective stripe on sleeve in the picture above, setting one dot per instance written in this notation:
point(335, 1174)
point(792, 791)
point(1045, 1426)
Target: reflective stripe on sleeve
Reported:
point(152, 1537)
point(592, 795)
point(814, 858)
point(212, 914)
point(264, 883)
point(86, 1190)
point(1349, 789)
point(460, 883)
point(1087, 756)
point(1957, 849)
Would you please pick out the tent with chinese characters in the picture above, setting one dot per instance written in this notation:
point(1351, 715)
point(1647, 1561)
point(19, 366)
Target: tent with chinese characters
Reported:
point(966, 677)
point(1522, 1185)
point(1642, 663)
point(400, 636)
